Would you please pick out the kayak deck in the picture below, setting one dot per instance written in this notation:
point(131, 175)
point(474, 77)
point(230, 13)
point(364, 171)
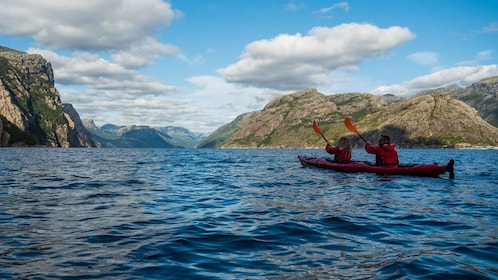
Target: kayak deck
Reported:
point(422, 170)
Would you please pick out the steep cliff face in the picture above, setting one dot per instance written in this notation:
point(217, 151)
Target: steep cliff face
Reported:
point(29, 101)
point(78, 136)
point(4, 136)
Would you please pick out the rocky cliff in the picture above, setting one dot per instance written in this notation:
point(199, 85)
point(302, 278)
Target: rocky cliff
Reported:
point(31, 105)
point(436, 120)
point(285, 122)
point(481, 95)
point(4, 136)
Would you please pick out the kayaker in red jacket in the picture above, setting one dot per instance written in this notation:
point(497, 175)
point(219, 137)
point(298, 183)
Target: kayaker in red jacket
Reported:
point(386, 153)
point(343, 150)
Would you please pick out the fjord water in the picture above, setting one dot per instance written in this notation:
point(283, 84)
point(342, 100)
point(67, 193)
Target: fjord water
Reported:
point(242, 214)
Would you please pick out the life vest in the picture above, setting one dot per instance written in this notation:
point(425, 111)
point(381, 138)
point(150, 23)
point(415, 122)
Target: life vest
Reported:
point(339, 154)
point(386, 154)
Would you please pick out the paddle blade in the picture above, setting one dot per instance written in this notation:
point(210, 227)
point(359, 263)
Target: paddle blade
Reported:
point(349, 124)
point(316, 128)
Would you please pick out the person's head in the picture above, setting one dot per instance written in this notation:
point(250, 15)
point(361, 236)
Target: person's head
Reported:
point(384, 140)
point(344, 143)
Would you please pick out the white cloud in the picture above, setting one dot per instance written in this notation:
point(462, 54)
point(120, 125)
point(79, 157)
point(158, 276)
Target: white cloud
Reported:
point(424, 58)
point(293, 6)
point(486, 54)
point(142, 53)
point(214, 95)
point(91, 24)
point(109, 93)
point(294, 62)
point(461, 75)
point(93, 71)
point(491, 28)
point(210, 104)
point(106, 43)
point(109, 107)
point(342, 5)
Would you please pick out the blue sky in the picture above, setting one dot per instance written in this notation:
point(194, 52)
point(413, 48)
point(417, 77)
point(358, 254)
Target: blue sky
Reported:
point(199, 64)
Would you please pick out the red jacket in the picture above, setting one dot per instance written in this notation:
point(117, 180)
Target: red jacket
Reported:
point(339, 154)
point(386, 154)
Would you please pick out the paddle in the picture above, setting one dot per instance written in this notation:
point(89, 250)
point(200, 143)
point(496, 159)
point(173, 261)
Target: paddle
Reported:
point(319, 131)
point(349, 124)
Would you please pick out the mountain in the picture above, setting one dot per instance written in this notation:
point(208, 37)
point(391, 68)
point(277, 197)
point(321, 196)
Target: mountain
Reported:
point(31, 111)
point(32, 114)
point(219, 136)
point(181, 137)
point(285, 122)
point(481, 95)
point(435, 120)
point(133, 136)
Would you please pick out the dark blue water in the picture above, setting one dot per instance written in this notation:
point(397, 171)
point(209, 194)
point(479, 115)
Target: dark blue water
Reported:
point(242, 214)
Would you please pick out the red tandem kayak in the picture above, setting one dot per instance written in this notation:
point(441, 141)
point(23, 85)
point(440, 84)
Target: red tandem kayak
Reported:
point(422, 170)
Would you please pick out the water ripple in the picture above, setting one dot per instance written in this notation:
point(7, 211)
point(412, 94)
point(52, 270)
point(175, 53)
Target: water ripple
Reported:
point(241, 214)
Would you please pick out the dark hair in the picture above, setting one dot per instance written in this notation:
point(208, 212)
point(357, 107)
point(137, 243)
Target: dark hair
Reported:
point(386, 138)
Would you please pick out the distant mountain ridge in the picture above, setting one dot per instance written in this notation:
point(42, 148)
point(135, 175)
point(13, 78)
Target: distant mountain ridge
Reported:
point(134, 136)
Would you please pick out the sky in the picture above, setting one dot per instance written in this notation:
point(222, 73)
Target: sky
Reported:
point(200, 64)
